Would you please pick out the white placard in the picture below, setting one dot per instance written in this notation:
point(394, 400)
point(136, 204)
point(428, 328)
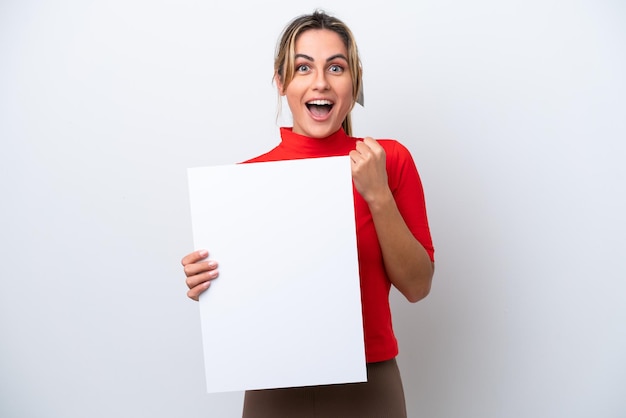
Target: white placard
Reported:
point(286, 308)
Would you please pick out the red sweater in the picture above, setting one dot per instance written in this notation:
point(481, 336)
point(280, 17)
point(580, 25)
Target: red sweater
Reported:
point(404, 181)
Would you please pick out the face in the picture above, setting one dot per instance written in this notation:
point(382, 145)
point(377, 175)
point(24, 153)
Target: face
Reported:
point(320, 94)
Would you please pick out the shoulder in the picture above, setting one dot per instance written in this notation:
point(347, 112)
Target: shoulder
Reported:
point(272, 155)
point(400, 163)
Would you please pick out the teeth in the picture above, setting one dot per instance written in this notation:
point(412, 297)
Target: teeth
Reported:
point(320, 102)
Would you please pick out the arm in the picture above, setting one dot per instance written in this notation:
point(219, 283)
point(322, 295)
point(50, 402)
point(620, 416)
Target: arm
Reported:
point(199, 272)
point(406, 261)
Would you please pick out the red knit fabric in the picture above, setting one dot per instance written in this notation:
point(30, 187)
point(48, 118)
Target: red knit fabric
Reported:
point(404, 181)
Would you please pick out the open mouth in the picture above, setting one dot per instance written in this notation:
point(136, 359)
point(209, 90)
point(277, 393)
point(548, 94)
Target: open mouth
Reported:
point(319, 108)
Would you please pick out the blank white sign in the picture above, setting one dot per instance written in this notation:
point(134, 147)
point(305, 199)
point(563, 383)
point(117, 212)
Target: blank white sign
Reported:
point(286, 308)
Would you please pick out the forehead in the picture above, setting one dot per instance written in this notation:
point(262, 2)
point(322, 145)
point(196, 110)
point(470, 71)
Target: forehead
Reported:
point(320, 42)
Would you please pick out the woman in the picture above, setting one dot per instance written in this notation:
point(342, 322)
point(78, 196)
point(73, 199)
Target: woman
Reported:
point(317, 68)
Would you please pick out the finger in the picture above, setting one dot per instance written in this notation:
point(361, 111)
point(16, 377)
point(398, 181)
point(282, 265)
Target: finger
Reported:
point(355, 156)
point(361, 151)
point(195, 292)
point(194, 257)
point(373, 146)
point(362, 148)
point(369, 148)
point(199, 267)
point(199, 279)
point(370, 142)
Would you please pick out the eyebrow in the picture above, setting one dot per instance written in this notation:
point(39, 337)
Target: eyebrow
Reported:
point(332, 57)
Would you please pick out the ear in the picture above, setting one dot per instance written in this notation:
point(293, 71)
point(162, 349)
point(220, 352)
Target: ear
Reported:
point(279, 84)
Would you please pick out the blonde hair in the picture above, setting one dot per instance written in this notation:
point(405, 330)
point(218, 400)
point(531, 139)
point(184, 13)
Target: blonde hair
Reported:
point(284, 60)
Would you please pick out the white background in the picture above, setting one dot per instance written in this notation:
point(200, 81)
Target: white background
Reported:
point(514, 111)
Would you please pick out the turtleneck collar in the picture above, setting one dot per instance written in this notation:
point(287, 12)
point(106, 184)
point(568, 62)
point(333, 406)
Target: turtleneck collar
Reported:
point(306, 147)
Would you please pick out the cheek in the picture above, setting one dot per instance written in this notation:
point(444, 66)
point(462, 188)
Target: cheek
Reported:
point(346, 95)
point(293, 91)
point(346, 89)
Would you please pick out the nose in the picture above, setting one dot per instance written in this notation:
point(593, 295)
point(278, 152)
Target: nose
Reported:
point(320, 81)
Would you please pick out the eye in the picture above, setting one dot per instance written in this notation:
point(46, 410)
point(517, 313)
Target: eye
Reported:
point(302, 68)
point(335, 68)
